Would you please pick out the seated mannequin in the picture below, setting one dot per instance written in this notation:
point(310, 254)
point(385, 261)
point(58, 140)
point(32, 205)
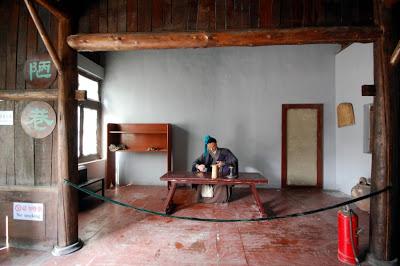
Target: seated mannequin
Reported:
point(225, 159)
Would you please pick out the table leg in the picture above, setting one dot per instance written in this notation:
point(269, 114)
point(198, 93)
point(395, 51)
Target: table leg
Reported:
point(102, 187)
point(258, 200)
point(168, 200)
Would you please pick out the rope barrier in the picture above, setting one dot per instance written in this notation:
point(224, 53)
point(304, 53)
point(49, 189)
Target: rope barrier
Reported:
point(298, 214)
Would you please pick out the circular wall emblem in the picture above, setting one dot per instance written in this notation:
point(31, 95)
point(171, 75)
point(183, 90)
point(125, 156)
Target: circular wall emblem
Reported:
point(38, 119)
point(40, 71)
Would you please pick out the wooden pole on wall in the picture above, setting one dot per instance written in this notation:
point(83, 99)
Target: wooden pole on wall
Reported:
point(383, 213)
point(67, 220)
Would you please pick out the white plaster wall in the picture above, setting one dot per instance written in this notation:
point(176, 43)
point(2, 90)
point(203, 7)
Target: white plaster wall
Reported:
point(353, 68)
point(235, 94)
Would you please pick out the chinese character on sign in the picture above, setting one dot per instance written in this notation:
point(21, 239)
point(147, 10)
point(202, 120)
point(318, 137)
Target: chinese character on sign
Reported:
point(39, 69)
point(39, 118)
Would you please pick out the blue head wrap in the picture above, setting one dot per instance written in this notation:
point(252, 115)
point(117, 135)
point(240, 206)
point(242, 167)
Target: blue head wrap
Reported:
point(208, 139)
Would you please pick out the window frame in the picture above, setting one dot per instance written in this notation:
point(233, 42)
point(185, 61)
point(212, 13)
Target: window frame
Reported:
point(94, 105)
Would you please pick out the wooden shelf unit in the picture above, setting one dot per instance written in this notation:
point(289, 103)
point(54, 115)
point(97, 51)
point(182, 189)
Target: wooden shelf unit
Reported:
point(137, 138)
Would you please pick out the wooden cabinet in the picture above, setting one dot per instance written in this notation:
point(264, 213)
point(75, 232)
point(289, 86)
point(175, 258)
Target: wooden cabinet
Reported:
point(137, 138)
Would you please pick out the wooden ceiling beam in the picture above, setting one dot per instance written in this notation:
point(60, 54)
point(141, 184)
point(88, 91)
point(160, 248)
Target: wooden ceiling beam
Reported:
point(171, 40)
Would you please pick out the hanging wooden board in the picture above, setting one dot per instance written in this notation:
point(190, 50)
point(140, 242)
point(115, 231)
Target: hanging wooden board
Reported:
point(40, 71)
point(38, 119)
point(345, 115)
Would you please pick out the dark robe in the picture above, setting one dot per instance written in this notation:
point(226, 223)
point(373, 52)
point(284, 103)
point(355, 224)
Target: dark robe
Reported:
point(221, 193)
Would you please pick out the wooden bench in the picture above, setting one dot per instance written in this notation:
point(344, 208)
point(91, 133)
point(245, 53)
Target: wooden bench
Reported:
point(175, 178)
point(90, 182)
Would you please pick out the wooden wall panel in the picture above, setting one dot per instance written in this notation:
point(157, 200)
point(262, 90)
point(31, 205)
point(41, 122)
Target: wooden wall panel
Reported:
point(319, 10)
point(254, 13)
point(5, 139)
point(203, 15)
point(25, 232)
point(12, 38)
point(332, 12)
point(42, 147)
point(94, 17)
point(24, 148)
point(245, 14)
point(131, 14)
point(121, 15)
point(23, 160)
point(220, 15)
point(112, 15)
point(103, 16)
point(157, 17)
point(192, 15)
point(167, 14)
point(232, 14)
point(84, 21)
point(216, 15)
point(212, 18)
point(178, 15)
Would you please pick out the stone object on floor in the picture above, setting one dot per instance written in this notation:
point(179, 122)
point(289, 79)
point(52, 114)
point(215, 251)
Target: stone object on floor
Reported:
point(361, 189)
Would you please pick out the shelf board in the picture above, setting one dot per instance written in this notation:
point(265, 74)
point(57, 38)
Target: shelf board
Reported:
point(128, 132)
point(130, 150)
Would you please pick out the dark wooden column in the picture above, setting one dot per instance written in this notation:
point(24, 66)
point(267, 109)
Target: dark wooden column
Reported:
point(67, 220)
point(65, 60)
point(383, 218)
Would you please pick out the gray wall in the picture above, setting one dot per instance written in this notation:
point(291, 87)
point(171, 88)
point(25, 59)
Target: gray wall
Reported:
point(235, 94)
point(354, 67)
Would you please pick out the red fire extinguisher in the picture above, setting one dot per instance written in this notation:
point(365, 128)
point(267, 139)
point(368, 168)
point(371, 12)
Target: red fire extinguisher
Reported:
point(347, 236)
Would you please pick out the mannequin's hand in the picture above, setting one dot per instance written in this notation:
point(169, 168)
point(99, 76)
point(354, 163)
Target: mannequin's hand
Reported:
point(201, 167)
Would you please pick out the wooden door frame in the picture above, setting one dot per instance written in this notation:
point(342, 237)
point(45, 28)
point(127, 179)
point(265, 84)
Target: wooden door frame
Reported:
point(320, 115)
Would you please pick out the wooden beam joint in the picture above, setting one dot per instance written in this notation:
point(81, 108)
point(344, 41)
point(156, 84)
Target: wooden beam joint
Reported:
point(52, 9)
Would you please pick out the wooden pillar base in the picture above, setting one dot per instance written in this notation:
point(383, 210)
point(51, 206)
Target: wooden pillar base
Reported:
point(61, 251)
point(375, 262)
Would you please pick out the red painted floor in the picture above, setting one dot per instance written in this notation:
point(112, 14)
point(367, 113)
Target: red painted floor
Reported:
point(115, 235)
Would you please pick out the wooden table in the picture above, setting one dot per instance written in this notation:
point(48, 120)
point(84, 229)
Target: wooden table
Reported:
point(174, 178)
